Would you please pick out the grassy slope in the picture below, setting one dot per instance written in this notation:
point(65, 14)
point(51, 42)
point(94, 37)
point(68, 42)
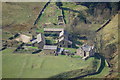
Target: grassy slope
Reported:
point(19, 12)
point(108, 32)
point(52, 12)
point(111, 31)
point(50, 15)
point(110, 36)
point(19, 16)
point(73, 6)
point(102, 74)
point(69, 14)
point(34, 66)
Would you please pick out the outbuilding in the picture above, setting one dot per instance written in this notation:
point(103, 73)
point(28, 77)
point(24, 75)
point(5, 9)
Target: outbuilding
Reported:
point(50, 49)
point(85, 51)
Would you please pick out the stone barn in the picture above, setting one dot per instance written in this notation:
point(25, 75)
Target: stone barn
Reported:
point(63, 39)
point(39, 41)
point(50, 49)
point(85, 51)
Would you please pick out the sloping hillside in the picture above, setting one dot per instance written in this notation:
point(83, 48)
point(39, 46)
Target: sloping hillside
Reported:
point(52, 11)
point(107, 44)
point(82, 20)
point(19, 17)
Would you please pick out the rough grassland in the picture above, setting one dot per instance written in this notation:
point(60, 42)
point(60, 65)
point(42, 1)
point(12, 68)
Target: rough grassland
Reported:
point(50, 15)
point(111, 36)
point(110, 32)
point(18, 16)
point(39, 66)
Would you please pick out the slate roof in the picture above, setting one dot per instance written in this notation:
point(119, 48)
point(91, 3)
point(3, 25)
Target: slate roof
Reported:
point(50, 47)
point(87, 48)
point(53, 29)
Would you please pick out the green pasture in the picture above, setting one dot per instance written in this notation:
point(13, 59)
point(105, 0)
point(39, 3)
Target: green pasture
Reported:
point(39, 66)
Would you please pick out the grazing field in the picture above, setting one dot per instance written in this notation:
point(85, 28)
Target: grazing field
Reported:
point(19, 16)
point(40, 66)
point(50, 15)
point(20, 13)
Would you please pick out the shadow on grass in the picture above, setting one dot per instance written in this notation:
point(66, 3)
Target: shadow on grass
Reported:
point(68, 9)
point(102, 65)
point(41, 12)
point(97, 55)
point(3, 48)
point(81, 73)
point(35, 52)
point(74, 46)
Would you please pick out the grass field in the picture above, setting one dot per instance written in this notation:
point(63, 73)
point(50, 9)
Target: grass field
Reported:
point(20, 13)
point(19, 16)
point(50, 15)
point(39, 66)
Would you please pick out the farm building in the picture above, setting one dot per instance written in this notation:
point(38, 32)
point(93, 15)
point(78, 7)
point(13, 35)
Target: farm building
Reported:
point(85, 51)
point(60, 20)
point(39, 41)
point(23, 38)
point(62, 38)
point(50, 49)
point(48, 42)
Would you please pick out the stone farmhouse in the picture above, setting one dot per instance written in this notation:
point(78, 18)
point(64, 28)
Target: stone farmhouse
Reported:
point(62, 40)
point(63, 37)
point(85, 51)
point(39, 40)
point(50, 49)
